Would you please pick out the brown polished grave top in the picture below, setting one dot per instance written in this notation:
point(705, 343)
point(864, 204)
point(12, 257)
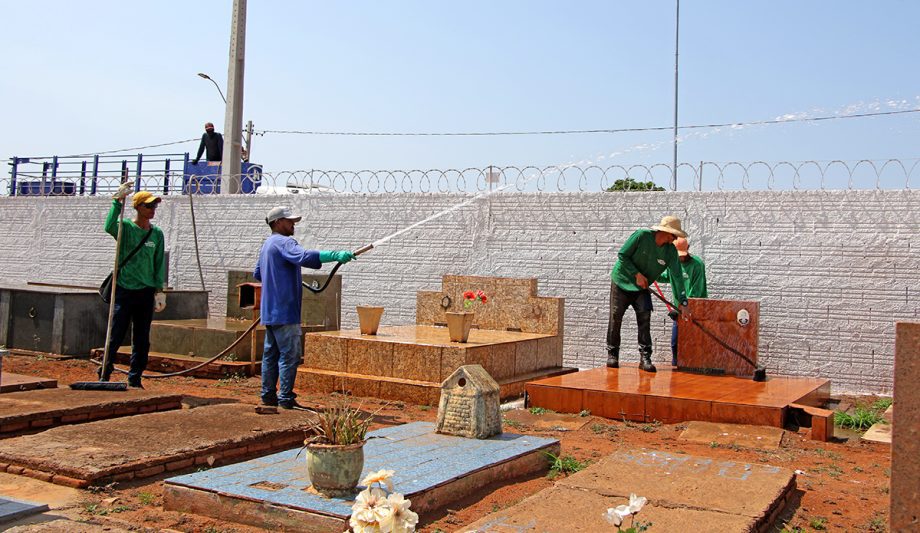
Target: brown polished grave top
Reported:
point(777, 391)
point(433, 336)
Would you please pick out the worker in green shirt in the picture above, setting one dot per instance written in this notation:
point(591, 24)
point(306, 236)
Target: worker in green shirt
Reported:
point(139, 289)
point(693, 272)
point(643, 257)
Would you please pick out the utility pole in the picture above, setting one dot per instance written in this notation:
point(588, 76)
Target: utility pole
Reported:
point(233, 118)
point(676, 47)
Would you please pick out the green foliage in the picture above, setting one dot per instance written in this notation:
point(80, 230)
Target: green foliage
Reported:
point(564, 464)
point(882, 404)
point(147, 498)
point(511, 423)
point(340, 424)
point(539, 411)
point(819, 523)
point(878, 524)
point(629, 184)
point(861, 419)
point(584, 412)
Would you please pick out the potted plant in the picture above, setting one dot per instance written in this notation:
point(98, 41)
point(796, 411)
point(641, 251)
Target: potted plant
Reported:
point(459, 323)
point(335, 448)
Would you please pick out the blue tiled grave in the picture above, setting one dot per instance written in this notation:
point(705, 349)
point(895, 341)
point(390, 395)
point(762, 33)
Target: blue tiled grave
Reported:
point(432, 470)
point(11, 509)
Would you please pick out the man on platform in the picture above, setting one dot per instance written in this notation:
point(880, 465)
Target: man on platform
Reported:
point(643, 257)
point(211, 142)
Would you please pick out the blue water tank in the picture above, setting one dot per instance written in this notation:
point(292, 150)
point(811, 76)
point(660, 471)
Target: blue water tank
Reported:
point(204, 178)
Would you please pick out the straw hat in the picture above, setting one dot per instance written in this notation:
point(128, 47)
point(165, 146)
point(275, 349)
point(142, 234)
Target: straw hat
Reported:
point(670, 224)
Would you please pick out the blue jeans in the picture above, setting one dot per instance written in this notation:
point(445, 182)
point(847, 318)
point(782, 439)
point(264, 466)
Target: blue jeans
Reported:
point(132, 308)
point(283, 348)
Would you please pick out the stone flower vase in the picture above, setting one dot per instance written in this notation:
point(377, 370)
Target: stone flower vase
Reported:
point(335, 469)
point(369, 318)
point(459, 324)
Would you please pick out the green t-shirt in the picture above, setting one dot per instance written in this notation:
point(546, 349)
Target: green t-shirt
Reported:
point(640, 254)
point(145, 269)
point(694, 275)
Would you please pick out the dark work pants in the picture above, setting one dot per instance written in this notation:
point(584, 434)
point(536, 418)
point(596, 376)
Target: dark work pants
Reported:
point(131, 307)
point(641, 302)
point(674, 344)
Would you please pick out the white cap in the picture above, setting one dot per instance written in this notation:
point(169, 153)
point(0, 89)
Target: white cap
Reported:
point(279, 212)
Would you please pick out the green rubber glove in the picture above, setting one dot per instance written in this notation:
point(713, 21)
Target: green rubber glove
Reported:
point(337, 256)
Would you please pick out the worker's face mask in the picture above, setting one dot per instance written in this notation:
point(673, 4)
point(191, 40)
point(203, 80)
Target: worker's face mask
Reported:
point(209, 130)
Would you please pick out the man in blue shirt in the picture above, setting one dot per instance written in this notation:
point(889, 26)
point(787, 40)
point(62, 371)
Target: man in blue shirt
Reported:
point(280, 261)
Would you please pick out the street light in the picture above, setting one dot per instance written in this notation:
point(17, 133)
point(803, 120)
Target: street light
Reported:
point(205, 76)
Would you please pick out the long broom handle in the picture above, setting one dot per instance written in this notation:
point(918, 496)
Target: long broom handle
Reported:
point(108, 328)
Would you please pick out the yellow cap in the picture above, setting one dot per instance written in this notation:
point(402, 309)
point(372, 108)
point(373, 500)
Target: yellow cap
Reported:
point(145, 197)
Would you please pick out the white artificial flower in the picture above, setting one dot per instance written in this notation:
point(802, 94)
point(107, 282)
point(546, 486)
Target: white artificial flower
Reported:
point(371, 511)
point(404, 520)
point(380, 476)
point(612, 517)
point(636, 503)
point(616, 515)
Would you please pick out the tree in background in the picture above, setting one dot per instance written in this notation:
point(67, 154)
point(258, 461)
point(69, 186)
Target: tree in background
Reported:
point(629, 184)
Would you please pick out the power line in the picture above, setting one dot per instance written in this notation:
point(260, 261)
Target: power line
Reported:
point(576, 132)
point(511, 133)
point(134, 149)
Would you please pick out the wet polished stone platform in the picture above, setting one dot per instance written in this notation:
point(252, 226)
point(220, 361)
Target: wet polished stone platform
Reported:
point(431, 470)
point(408, 363)
point(672, 396)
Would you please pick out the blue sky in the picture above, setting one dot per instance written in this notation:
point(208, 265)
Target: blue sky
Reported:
point(100, 75)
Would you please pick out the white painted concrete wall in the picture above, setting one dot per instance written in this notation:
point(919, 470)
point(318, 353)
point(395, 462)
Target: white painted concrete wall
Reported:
point(833, 270)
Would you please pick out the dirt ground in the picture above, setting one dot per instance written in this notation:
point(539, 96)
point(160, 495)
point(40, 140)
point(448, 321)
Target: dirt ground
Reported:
point(842, 485)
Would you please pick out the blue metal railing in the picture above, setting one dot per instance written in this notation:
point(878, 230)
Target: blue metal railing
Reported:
point(103, 174)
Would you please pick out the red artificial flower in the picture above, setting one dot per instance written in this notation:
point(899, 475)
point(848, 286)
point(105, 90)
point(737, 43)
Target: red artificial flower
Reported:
point(482, 298)
point(468, 295)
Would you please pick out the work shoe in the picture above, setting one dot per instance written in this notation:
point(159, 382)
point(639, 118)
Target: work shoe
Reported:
point(292, 404)
point(613, 361)
point(135, 386)
point(645, 363)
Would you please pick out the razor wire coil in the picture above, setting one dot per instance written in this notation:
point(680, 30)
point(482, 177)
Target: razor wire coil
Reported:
point(705, 176)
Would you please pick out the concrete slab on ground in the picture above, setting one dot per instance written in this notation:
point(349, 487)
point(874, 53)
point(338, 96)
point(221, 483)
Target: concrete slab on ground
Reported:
point(584, 510)
point(685, 491)
point(548, 421)
point(761, 437)
point(46, 408)
point(12, 382)
point(146, 445)
point(431, 470)
point(33, 490)
point(881, 430)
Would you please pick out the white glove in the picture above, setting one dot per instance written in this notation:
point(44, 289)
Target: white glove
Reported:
point(124, 190)
point(159, 302)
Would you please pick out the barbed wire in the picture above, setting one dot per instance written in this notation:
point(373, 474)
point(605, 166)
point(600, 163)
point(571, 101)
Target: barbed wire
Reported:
point(706, 176)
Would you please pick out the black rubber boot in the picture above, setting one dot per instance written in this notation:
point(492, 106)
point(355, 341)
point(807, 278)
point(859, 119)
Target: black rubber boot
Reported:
point(645, 363)
point(613, 360)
